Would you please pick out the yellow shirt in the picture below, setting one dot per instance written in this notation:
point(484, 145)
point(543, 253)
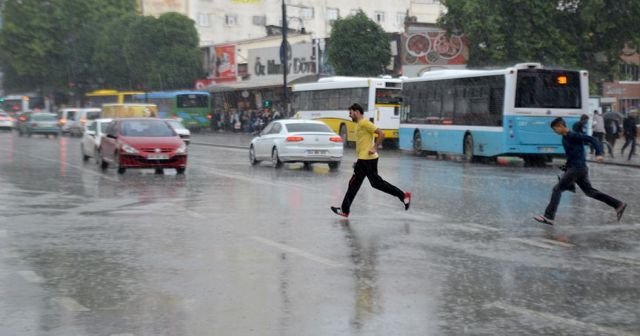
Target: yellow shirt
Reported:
point(365, 131)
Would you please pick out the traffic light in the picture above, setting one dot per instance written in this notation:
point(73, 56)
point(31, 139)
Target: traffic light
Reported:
point(267, 103)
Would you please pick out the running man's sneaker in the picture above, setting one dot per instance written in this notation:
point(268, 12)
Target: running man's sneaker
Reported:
point(620, 211)
point(407, 200)
point(543, 220)
point(339, 212)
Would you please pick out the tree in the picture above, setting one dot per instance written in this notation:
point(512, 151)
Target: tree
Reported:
point(359, 47)
point(572, 33)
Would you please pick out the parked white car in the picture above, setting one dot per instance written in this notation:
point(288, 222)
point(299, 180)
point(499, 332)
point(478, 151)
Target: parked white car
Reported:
point(295, 140)
point(7, 121)
point(182, 131)
point(93, 131)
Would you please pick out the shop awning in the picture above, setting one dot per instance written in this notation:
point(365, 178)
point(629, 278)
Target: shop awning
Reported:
point(259, 83)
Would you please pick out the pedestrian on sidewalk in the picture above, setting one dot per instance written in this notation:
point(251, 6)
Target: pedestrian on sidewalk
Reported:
point(577, 172)
point(612, 127)
point(630, 134)
point(367, 163)
point(599, 130)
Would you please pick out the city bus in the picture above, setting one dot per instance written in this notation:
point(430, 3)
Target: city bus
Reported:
point(489, 113)
point(328, 100)
point(16, 103)
point(98, 97)
point(192, 107)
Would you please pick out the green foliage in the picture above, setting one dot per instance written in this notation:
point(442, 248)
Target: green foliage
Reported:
point(95, 43)
point(359, 47)
point(571, 33)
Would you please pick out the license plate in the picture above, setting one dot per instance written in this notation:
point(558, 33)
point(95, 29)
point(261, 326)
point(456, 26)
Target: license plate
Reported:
point(317, 152)
point(547, 149)
point(158, 157)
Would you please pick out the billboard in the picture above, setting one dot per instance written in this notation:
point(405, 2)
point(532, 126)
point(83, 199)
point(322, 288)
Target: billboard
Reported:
point(426, 48)
point(265, 62)
point(223, 63)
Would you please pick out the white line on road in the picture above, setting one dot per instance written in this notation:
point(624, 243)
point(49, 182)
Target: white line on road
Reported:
point(481, 227)
point(70, 304)
point(621, 260)
point(532, 242)
point(558, 319)
point(31, 277)
point(556, 242)
point(297, 252)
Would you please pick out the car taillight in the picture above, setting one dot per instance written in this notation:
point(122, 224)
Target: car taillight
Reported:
point(22, 119)
point(295, 139)
point(209, 116)
point(335, 139)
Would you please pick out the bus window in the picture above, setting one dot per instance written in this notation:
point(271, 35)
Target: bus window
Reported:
point(388, 96)
point(192, 100)
point(548, 89)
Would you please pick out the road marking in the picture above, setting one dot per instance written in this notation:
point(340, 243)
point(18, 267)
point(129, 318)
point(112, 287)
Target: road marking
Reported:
point(616, 259)
point(31, 277)
point(481, 227)
point(556, 242)
point(70, 304)
point(297, 252)
point(532, 242)
point(558, 319)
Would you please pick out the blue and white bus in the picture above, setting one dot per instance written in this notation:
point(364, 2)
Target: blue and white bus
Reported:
point(490, 113)
point(193, 107)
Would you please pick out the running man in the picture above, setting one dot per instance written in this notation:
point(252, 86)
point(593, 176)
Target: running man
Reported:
point(367, 163)
point(576, 172)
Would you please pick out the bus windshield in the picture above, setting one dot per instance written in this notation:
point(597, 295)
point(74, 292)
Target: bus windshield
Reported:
point(548, 89)
point(192, 100)
point(388, 96)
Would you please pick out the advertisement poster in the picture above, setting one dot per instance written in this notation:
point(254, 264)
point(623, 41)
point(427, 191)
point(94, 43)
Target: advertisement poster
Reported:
point(223, 63)
point(426, 48)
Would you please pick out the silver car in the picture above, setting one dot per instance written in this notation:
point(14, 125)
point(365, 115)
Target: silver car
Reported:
point(92, 134)
point(306, 141)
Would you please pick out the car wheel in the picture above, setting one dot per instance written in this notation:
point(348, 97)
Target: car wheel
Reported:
point(417, 144)
point(275, 159)
point(101, 162)
point(116, 160)
point(252, 156)
point(334, 165)
point(307, 165)
point(160, 171)
point(180, 171)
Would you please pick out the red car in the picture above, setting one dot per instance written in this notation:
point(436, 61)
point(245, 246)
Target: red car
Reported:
point(142, 143)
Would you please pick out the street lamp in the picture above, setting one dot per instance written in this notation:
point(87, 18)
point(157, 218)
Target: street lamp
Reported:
point(283, 60)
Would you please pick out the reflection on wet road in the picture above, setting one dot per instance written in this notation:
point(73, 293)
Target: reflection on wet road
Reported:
point(230, 249)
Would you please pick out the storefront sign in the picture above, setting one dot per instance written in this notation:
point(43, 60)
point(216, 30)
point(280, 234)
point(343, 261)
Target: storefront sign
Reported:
point(266, 62)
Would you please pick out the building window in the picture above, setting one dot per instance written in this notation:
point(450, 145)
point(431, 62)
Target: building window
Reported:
point(333, 14)
point(203, 20)
point(400, 18)
point(259, 20)
point(306, 13)
point(379, 17)
point(230, 19)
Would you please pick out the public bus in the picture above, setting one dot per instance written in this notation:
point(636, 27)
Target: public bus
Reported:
point(99, 97)
point(328, 100)
point(489, 113)
point(16, 103)
point(192, 107)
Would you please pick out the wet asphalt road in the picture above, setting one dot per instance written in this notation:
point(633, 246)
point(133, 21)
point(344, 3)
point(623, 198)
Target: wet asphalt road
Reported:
point(230, 249)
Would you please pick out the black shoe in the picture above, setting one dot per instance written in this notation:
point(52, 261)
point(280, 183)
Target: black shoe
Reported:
point(339, 212)
point(620, 211)
point(543, 220)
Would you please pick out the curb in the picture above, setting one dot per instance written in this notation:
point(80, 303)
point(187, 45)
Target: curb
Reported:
point(609, 163)
point(220, 146)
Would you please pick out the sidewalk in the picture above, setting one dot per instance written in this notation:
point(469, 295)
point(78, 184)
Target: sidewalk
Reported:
point(242, 140)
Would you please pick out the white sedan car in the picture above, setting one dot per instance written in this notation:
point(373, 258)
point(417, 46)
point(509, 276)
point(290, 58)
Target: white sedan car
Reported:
point(6, 121)
point(182, 131)
point(306, 141)
point(93, 131)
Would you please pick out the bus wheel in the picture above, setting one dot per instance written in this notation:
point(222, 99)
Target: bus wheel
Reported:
point(468, 148)
point(343, 135)
point(417, 144)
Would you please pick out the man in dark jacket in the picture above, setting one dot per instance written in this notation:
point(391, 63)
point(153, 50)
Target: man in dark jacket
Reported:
point(577, 172)
point(630, 134)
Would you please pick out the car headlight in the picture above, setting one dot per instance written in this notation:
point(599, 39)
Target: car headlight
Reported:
point(182, 149)
point(128, 149)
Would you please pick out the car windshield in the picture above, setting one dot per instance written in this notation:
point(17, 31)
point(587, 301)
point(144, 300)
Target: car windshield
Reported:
point(308, 127)
point(44, 117)
point(93, 115)
point(175, 124)
point(104, 126)
point(146, 128)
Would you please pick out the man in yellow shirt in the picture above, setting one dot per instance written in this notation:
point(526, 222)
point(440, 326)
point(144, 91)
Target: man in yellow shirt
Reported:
point(367, 164)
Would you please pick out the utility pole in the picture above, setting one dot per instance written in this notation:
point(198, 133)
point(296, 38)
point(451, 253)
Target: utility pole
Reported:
point(284, 60)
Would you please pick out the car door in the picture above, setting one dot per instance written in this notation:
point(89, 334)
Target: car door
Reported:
point(260, 145)
point(109, 142)
point(88, 138)
point(274, 137)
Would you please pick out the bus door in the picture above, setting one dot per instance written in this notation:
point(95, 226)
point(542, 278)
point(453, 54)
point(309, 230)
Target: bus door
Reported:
point(386, 111)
